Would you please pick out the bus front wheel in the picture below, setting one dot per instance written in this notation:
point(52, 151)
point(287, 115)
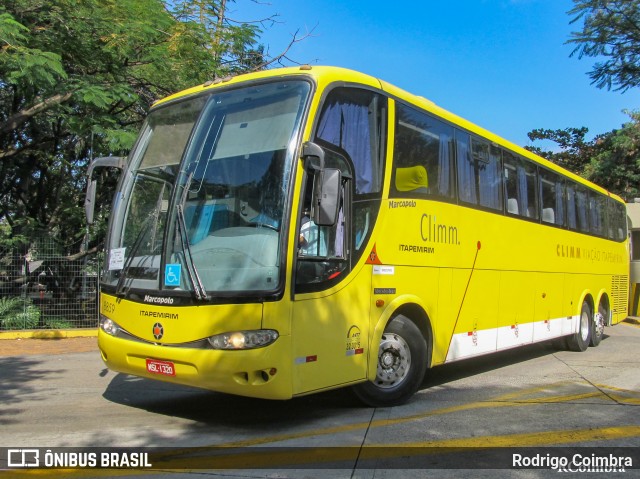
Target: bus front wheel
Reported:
point(581, 339)
point(401, 365)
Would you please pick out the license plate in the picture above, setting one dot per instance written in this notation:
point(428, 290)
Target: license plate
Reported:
point(161, 367)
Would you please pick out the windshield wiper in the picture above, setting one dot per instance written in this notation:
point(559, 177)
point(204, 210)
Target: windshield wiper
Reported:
point(192, 271)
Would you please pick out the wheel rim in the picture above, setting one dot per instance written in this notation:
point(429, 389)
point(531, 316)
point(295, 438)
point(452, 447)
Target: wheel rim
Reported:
point(394, 361)
point(599, 325)
point(584, 325)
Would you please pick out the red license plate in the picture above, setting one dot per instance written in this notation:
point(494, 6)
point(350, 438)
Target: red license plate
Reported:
point(161, 367)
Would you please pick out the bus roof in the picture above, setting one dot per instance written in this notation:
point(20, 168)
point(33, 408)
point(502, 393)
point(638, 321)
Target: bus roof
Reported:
point(325, 75)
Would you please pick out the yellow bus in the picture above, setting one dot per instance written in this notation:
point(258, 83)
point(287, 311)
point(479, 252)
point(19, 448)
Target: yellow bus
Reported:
point(291, 231)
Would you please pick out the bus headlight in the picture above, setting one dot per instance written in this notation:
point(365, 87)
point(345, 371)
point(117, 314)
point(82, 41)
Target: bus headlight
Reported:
point(258, 338)
point(108, 326)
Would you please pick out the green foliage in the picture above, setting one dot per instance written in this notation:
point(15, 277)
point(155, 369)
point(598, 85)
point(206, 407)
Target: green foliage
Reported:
point(615, 160)
point(12, 32)
point(16, 313)
point(572, 145)
point(58, 322)
point(76, 80)
point(17, 234)
point(611, 160)
point(24, 64)
point(610, 31)
point(233, 44)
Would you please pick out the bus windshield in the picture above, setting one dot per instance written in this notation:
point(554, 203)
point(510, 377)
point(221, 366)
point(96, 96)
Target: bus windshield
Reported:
point(203, 202)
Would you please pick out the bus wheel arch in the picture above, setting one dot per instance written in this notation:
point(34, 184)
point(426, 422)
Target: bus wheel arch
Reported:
point(421, 319)
point(401, 358)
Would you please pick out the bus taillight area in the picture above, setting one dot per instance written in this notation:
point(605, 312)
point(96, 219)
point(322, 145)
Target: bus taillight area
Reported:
point(258, 372)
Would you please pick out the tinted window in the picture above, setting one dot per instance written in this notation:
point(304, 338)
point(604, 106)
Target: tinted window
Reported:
point(352, 120)
point(597, 210)
point(520, 186)
point(479, 172)
point(552, 197)
point(423, 153)
point(617, 221)
point(577, 207)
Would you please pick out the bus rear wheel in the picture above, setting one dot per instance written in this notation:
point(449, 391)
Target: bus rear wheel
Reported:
point(401, 366)
point(581, 339)
point(597, 331)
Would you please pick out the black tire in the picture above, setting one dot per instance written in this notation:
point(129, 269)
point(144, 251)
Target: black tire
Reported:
point(580, 340)
point(597, 328)
point(402, 363)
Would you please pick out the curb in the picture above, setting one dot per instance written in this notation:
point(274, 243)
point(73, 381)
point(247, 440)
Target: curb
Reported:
point(49, 334)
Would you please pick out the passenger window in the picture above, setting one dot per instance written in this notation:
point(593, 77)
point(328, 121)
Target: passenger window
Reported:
point(617, 221)
point(479, 172)
point(552, 197)
point(577, 208)
point(352, 120)
point(520, 186)
point(597, 209)
point(423, 154)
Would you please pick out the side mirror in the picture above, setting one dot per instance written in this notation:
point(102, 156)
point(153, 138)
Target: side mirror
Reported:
point(326, 196)
point(90, 198)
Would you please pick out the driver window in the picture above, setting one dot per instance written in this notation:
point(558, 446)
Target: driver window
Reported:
point(351, 130)
point(312, 240)
point(322, 249)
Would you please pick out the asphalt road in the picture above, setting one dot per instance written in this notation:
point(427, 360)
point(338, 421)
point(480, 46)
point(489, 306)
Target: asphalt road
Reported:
point(537, 396)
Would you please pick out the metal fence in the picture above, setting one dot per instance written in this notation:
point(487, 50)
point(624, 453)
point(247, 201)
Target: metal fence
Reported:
point(42, 288)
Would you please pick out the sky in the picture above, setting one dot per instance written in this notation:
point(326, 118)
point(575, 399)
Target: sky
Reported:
point(502, 64)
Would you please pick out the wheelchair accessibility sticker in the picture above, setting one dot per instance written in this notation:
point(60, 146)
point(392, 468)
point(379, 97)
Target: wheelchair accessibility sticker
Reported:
point(172, 274)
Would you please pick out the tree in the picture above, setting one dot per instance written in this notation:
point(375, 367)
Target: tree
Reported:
point(611, 160)
point(615, 161)
point(232, 43)
point(610, 30)
point(574, 148)
point(76, 80)
point(611, 33)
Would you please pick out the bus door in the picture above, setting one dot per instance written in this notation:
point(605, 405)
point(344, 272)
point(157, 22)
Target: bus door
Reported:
point(332, 300)
point(331, 307)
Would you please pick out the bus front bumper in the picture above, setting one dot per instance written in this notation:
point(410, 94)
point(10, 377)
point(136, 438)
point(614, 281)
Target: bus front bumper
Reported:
point(261, 373)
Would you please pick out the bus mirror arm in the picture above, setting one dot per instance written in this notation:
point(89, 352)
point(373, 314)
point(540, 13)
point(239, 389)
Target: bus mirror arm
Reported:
point(313, 156)
point(90, 198)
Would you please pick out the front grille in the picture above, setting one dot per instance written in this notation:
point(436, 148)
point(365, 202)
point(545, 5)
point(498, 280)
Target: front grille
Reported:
point(198, 344)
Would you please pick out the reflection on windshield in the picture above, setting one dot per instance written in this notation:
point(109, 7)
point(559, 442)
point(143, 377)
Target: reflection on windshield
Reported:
point(231, 186)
